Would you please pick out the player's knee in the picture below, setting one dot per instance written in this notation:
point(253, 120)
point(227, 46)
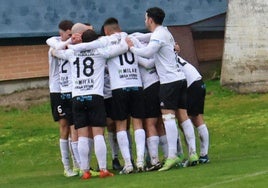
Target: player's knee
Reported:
point(167, 117)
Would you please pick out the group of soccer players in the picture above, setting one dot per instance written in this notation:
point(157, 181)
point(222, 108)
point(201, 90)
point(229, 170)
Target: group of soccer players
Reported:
point(117, 80)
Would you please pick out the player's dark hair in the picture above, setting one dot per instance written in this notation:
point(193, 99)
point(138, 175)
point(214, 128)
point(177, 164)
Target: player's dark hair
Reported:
point(157, 14)
point(65, 25)
point(89, 35)
point(110, 21)
point(112, 25)
point(102, 33)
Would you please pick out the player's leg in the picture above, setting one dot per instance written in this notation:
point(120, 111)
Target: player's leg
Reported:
point(84, 151)
point(64, 147)
point(139, 135)
point(73, 135)
point(136, 101)
point(172, 135)
point(186, 124)
point(101, 151)
point(123, 143)
point(130, 140)
point(196, 100)
point(162, 137)
point(81, 122)
point(74, 148)
point(152, 143)
point(59, 116)
point(188, 131)
point(168, 103)
point(91, 146)
point(203, 136)
point(152, 113)
point(113, 144)
point(112, 134)
point(120, 115)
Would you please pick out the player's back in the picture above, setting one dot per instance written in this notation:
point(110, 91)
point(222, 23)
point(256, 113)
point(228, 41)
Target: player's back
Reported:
point(54, 77)
point(87, 72)
point(190, 72)
point(123, 69)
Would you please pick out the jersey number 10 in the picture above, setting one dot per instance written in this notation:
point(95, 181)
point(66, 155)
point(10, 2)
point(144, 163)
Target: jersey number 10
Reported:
point(125, 56)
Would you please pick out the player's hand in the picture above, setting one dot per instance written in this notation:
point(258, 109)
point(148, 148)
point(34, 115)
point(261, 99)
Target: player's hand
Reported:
point(129, 42)
point(177, 48)
point(76, 38)
point(53, 52)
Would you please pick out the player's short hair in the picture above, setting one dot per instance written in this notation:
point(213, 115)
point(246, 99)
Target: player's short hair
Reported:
point(157, 14)
point(89, 35)
point(102, 33)
point(65, 25)
point(110, 21)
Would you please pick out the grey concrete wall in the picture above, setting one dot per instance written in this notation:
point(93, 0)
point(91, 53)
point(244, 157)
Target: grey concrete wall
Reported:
point(245, 57)
point(7, 87)
point(28, 18)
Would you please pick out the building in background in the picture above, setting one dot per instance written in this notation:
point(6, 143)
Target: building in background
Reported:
point(197, 25)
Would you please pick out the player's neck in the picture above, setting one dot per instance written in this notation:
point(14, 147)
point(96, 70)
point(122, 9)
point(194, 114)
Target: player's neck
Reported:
point(153, 27)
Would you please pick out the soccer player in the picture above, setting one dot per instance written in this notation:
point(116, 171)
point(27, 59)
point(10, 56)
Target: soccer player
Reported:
point(150, 81)
point(196, 93)
point(152, 113)
point(108, 100)
point(66, 87)
point(60, 96)
point(126, 86)
point(110, 123)
point(88, 103)
point(173, 86)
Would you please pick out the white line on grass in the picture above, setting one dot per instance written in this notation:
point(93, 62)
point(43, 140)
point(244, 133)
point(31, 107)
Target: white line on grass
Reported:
point(237, 179)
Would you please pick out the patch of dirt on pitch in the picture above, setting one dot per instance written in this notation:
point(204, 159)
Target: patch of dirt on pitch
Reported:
point(24, 99)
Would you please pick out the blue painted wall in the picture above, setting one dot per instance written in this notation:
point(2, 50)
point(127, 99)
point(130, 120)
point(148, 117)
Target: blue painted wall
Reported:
point(29, 18)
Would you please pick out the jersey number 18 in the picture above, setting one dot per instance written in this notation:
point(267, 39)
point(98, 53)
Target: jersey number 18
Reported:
point(88, 70)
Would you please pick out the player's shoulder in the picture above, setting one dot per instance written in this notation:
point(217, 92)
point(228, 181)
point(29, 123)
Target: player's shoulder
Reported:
point(52, 41)
point(54, 38)
point(159, 33)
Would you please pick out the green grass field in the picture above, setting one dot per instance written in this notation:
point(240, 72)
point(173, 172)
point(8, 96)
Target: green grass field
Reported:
point(29, 151)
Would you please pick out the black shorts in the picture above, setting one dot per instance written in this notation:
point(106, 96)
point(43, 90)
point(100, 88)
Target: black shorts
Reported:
point(55, 103)
point(151, 101)
point(89, 110)
point(127, 102)
point(66, 99)
point(108, 107)
point(173, 95)
point(61, 106)
point(196, 94)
